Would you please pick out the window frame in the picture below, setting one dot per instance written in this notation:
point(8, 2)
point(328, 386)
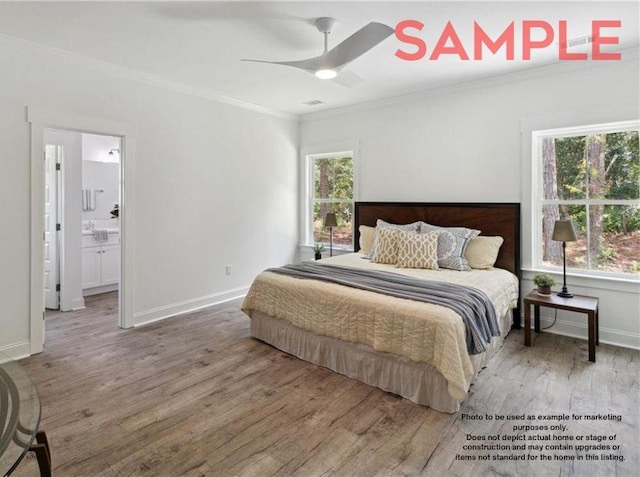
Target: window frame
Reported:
point(537, 192)
point(308, 155)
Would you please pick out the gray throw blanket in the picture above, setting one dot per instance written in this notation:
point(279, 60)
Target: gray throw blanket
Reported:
point(471, 304)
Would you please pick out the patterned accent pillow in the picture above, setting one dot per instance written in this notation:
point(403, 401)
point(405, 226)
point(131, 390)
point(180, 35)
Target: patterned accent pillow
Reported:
point(418, 250)
point(386, 246)
point(452, 243)
point(381, 224)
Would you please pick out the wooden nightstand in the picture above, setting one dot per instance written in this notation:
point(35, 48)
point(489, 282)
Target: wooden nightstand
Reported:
point(579, 304)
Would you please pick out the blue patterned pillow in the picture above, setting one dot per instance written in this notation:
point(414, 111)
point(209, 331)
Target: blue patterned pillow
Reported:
point(381, 224)
point(452, 242)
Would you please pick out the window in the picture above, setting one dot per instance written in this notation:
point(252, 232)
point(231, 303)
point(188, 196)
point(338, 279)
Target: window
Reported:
point(331, 190)
point(592, 176)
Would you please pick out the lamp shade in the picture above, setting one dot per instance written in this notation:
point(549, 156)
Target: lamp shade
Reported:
point(330, 220)
point(563, 231)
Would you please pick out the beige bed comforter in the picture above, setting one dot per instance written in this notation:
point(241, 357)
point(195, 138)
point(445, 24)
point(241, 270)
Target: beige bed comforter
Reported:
point(419, 331)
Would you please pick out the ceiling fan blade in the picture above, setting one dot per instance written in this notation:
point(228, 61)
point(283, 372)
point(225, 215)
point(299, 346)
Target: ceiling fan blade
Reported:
point(350, 49)
point(357, 44)
point(348, 79)
point(310, 64)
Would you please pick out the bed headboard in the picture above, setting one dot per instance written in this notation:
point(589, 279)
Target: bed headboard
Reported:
point(501, 219)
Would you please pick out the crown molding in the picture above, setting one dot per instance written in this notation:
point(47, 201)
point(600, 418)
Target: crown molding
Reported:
point(629, 54)
point(141, 77)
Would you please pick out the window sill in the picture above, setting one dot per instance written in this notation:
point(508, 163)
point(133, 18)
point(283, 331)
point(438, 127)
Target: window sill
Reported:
point(341, 248)
point(306, 251)
point(626, 285)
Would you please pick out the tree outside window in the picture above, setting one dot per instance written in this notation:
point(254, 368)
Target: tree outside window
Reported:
point(593, 178)
point(332, 191)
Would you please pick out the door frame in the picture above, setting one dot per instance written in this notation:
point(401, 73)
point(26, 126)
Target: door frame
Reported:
point(39, 119)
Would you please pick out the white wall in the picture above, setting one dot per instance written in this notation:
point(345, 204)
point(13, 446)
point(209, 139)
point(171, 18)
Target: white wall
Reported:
point(103, 178)
point(213, 184)
point(96, 148)
point(101, 175)
point(463, 143)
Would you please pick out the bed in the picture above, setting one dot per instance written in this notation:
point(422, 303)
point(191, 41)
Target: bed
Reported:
point(406, 347)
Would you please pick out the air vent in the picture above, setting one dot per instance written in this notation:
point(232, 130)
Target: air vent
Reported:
point(582, 40)
point(313, 102)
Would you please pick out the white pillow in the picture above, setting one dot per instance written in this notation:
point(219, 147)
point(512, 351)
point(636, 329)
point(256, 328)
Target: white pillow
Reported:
point(366, 238)
point(418, 250)
point(482, 252)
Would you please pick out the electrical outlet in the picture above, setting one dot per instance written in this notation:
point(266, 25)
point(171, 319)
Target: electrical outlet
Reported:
point(227, 270)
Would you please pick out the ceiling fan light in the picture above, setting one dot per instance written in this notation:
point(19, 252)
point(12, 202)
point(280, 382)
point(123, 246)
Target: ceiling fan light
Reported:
point(326, 73)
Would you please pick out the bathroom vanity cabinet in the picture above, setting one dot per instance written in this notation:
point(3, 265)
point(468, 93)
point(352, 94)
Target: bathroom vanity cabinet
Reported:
point(100, 264)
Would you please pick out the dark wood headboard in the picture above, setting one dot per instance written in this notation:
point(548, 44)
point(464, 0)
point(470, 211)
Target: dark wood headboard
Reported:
point(494, 218)
point(501, 219)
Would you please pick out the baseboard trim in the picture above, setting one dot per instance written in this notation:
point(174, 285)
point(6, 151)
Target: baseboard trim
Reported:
point(168, 311)
point(77, 304)
point(18, 350)
point(98, 290)
point(610, 336)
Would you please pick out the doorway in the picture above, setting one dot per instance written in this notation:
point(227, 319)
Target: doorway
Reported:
point(81, 220)
point(41, 120)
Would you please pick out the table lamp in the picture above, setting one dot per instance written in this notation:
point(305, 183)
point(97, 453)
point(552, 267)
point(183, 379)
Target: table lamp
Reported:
point(563, 232)
point(330, 221)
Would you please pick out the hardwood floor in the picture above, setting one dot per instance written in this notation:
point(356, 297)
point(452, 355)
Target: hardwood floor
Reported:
point(195, 395)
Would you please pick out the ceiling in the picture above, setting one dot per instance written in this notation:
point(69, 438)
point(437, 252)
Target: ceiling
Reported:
point(199, 45)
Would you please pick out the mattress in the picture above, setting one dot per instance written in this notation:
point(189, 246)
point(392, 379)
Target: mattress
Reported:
point(429, 335)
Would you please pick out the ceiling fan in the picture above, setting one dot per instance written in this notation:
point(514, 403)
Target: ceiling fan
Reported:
point(327, 65)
